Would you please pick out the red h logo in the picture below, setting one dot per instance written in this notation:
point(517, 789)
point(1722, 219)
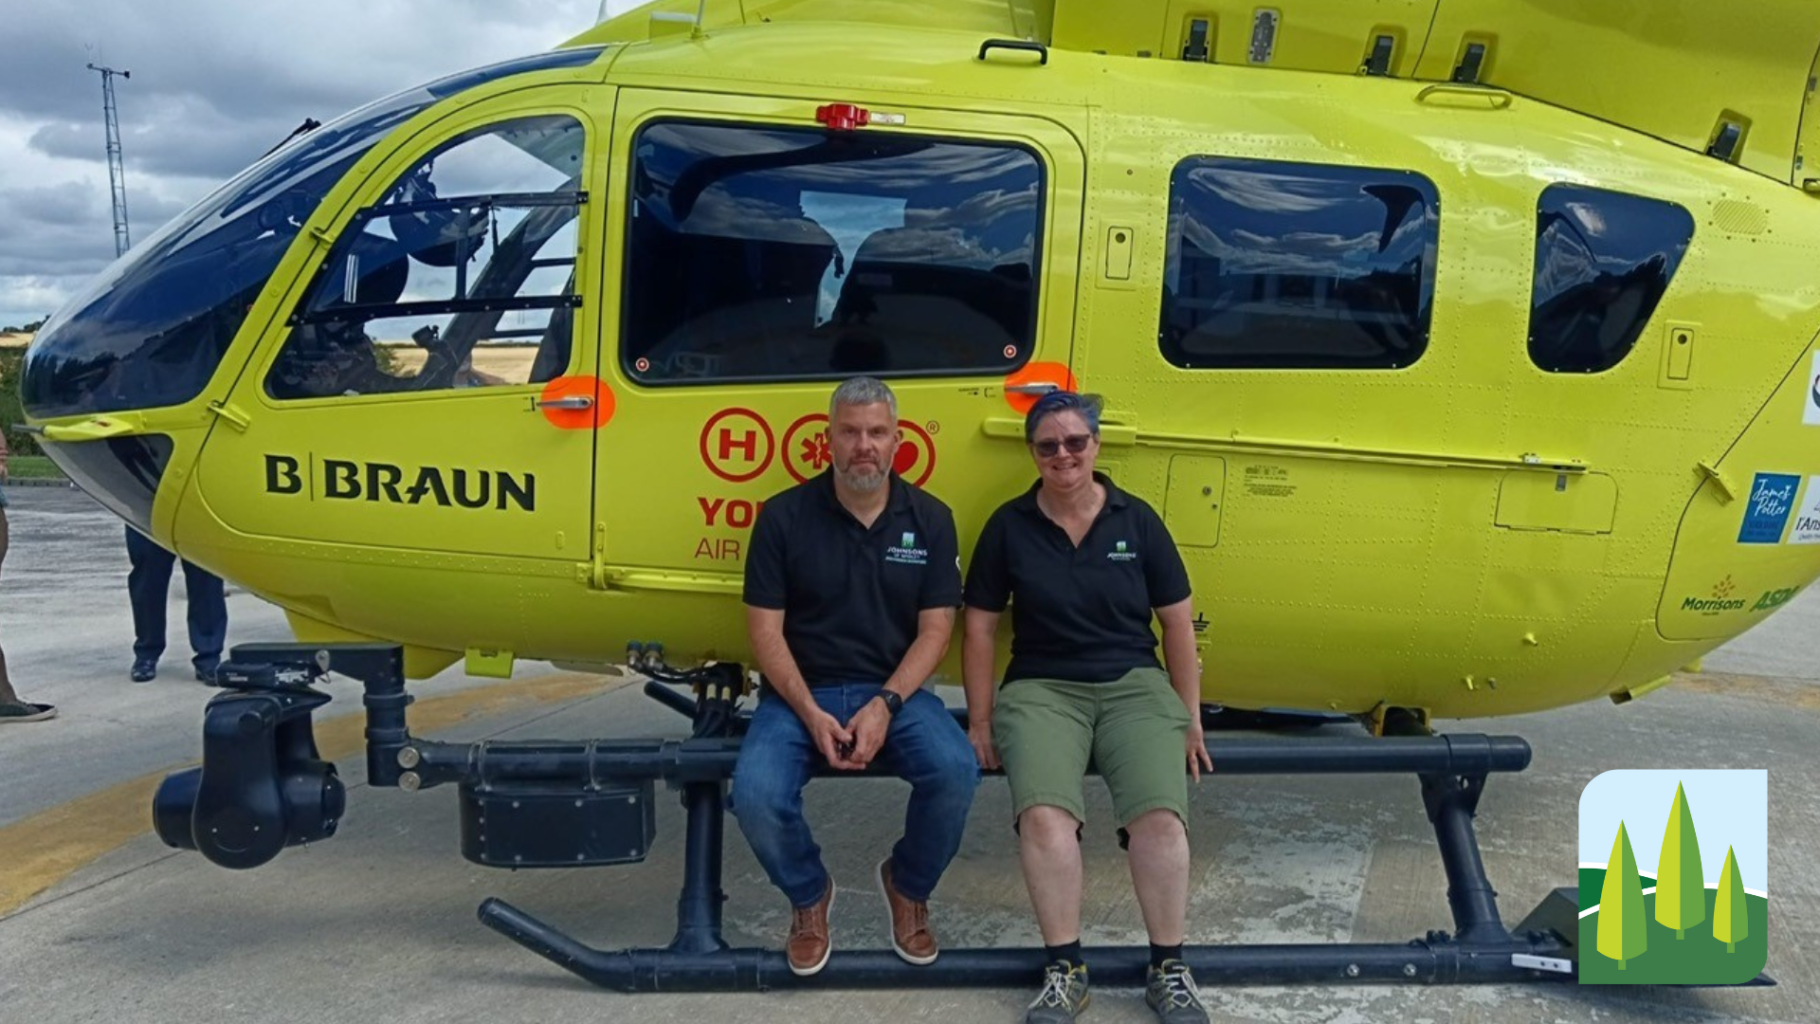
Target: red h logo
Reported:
point(746, 443)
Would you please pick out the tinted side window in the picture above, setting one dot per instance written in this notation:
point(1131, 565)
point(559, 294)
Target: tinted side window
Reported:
point(1297, 265)
point(1603, 260)
point(786, 254)
point(462, 275)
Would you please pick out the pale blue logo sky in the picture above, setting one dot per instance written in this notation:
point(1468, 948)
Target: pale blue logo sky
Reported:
point(1729, 808)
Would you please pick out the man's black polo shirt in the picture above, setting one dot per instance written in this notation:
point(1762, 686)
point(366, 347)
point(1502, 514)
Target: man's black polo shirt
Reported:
point(851, 595)
point(1080, 614)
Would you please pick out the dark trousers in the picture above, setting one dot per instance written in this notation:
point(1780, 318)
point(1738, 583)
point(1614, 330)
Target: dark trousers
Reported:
point(149, 586)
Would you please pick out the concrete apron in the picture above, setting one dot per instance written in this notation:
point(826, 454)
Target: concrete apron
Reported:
point(378, 922)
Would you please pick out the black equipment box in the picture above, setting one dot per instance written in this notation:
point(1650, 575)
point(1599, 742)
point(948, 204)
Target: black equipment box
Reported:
point(527, 825)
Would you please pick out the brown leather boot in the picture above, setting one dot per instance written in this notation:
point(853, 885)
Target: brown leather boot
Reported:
point(910, 934)
point(808, 946)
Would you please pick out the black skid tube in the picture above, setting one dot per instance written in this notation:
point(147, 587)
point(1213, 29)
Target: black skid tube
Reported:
point(706, 760)
point(734, 970)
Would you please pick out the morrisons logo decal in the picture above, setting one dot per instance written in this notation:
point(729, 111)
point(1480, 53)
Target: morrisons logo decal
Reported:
point(345, 480)
point(1695, 604)
point(1771, 599)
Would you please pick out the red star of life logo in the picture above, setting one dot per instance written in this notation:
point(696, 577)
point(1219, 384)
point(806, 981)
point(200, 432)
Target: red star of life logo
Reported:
point(815, 452)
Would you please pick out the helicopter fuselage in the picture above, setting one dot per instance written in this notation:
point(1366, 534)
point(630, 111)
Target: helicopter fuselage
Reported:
point(1452, 399)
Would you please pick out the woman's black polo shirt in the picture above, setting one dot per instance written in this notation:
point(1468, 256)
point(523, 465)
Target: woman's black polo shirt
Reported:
point(1080, 614)
point(851, 595)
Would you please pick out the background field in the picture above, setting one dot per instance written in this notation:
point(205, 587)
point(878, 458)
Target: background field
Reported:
point(12, 352)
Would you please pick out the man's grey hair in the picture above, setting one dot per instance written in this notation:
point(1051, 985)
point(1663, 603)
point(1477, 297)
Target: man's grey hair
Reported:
point(862, 391)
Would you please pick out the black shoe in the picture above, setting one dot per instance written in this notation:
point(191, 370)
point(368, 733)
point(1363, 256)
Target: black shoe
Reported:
point(26, 712)
point(206, 673)
point(1063, 997)
point(145, 669)
point(1170, 991)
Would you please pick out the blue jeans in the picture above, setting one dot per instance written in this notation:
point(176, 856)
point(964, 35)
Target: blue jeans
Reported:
point(148, 586)
point(924, 746)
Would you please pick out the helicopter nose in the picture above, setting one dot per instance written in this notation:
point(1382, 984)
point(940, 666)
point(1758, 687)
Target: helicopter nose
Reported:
point(151, 331)
point(148, 335)
point(122, 473)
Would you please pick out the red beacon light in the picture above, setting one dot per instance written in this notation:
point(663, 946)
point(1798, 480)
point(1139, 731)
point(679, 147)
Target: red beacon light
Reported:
point(845, 117)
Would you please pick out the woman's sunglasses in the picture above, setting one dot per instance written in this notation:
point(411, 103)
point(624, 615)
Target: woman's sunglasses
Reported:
point(1049, 447)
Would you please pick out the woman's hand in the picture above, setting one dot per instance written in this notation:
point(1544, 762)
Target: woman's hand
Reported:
point(1196, 749)
point(980, 735)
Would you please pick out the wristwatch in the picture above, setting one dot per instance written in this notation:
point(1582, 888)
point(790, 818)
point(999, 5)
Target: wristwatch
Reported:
point(893, 703)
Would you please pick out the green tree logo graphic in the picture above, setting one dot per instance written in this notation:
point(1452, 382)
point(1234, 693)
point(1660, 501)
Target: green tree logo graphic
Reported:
point(1651, 914)
point(1731, 919)
point(1680, 879)
point(1623, 932)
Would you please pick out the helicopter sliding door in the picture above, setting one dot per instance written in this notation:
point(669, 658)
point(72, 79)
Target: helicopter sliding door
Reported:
point(768, 256)
point(432, 389)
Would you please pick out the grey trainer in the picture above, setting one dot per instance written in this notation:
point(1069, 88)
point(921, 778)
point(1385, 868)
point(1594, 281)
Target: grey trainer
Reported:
point(1063, 997)
point(1171, 992)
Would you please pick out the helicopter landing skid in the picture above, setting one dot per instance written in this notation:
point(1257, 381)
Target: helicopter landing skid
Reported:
point(1482, 950)
point(564, 803)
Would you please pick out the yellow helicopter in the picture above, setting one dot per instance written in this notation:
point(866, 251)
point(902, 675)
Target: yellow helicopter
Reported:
point(1467, 346)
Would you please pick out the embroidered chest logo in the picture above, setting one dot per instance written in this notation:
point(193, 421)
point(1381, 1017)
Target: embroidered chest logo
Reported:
point(1121, 552)
point(907, 553)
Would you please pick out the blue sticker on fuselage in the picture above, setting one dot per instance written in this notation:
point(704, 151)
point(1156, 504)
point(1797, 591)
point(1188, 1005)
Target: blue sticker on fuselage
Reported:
point(1772, 498)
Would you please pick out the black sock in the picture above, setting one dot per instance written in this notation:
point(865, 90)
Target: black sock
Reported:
point(1067, 951)
point(1158, 954)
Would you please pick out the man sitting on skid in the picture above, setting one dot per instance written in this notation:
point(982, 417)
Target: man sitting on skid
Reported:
point(851, 585)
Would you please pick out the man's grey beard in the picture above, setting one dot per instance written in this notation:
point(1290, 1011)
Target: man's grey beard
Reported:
point(864, 483)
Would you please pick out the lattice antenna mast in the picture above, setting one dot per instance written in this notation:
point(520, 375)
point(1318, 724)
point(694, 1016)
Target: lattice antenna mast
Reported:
point(116, 167)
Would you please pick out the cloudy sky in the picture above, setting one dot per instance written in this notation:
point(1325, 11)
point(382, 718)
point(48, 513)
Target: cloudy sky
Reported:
point(215, 84)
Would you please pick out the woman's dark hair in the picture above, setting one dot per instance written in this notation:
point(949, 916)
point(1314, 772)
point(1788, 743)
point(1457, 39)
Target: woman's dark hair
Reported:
point(1063, 401)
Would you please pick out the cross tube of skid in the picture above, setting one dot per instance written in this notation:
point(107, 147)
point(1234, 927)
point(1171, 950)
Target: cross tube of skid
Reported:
point(584, 803)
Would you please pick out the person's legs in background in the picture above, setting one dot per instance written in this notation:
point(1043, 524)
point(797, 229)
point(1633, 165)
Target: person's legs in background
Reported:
point(12, 709)
point(148, 585)
point(207, 619)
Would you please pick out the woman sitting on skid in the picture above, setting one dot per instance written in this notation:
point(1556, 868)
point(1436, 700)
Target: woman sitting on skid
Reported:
point(1084, 566)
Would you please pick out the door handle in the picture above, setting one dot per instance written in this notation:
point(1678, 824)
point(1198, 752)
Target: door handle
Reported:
point(1035, 387)
point(571, 402)
point(1447, 94)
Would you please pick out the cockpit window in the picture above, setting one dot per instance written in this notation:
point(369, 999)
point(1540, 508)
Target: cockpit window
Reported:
point(151, 329)
point(1603, 261)
point(461, 275)
point(759, 253)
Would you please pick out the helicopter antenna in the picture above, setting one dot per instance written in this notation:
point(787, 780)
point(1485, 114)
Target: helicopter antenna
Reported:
point(116, 167)
point(309, 124)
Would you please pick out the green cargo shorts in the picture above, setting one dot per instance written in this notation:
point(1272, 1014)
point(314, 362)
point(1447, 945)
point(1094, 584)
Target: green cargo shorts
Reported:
point(1134, 730)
